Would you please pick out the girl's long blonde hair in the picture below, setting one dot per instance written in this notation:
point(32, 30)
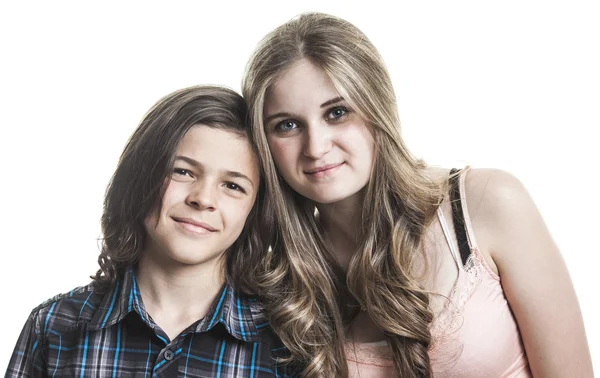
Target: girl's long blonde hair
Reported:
point(306, 292)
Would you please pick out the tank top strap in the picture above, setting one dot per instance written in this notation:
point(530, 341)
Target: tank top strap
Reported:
point(449, 239)
point(465, 209)
point(460, 214)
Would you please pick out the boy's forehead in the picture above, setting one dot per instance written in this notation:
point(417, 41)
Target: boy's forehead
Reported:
point(220, 149)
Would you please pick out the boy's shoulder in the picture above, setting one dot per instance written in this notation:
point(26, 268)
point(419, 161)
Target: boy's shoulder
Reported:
point(67, 311)
point(279, 352)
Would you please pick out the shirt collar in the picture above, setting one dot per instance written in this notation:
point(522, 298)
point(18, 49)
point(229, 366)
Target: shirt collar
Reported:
point(241, 316)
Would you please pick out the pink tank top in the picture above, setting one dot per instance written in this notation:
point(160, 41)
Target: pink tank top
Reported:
point(474, 336)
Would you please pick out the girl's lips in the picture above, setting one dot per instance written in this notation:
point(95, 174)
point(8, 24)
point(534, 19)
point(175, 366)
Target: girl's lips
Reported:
point(322, 168)
point(323, 171)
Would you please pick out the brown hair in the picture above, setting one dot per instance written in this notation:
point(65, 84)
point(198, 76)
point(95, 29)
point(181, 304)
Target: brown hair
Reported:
point(136, 188)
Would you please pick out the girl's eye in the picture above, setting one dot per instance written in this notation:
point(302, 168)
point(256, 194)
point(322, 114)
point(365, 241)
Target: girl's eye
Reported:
point(286, 125)
point(234, 186)
point(336, 113)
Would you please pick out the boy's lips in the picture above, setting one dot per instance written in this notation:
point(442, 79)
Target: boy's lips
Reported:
point(194, 225)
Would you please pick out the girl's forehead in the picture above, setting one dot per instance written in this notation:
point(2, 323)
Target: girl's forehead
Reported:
point(303, 85)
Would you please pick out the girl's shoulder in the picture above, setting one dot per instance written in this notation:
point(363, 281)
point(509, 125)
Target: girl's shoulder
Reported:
point(493, 196)
point(490, 201)
point(499, 208)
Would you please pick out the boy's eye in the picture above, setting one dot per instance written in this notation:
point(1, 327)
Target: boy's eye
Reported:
point(182, 172)
point(234, 186)
point(286, 125)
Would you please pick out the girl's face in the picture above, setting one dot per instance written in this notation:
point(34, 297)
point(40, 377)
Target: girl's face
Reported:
point(209, 195)
point(321, 147)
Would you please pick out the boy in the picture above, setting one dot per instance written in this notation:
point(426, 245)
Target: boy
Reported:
point(182, 225)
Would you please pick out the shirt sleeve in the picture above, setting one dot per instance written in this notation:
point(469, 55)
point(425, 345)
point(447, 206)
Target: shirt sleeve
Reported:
point(28, 358)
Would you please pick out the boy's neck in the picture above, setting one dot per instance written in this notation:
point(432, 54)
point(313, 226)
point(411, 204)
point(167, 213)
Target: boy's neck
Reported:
point(177, 295)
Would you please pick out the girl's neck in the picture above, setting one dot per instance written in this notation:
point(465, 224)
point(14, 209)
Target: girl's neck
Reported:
point(342, 226)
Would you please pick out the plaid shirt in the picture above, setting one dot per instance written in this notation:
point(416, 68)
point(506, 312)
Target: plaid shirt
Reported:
point(87, 334)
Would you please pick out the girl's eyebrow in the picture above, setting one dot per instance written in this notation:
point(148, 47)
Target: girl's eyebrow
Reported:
point(332, 101)
point(277, 115)
point(284, 114)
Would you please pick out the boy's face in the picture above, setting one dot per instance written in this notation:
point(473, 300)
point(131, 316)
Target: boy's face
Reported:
point(210, 193)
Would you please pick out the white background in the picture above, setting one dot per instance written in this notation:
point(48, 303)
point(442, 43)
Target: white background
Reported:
point(512, 85)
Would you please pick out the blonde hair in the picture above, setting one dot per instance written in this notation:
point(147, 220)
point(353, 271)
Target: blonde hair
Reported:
point(307, 291)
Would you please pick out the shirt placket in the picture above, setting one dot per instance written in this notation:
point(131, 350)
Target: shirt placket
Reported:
point(167, 362)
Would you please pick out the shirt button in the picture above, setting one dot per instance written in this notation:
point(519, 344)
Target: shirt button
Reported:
point(168, 355)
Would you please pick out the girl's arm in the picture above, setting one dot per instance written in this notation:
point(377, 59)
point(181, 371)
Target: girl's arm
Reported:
point(534, 277)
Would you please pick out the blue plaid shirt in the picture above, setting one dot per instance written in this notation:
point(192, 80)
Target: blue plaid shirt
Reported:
point(87, 334)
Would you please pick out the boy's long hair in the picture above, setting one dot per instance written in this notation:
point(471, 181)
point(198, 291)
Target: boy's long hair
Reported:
point(136, 188)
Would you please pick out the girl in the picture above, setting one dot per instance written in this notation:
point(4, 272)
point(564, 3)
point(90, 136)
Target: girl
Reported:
point(385, 266)
point(169, 298)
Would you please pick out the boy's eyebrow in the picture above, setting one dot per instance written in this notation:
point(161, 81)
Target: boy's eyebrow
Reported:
point(195, 163)
point(240, 175)
point(284, 114)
